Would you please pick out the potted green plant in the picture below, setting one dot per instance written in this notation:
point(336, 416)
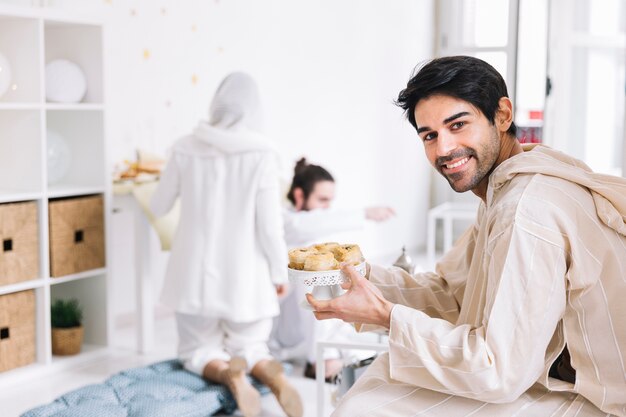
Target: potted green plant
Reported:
point(67, 330)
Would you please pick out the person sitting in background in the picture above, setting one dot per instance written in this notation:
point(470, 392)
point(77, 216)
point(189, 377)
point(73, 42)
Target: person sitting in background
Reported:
point(229, 258)
point(311, 220)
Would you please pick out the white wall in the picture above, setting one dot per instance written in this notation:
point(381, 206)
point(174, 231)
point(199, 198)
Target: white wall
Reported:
point(329, 71)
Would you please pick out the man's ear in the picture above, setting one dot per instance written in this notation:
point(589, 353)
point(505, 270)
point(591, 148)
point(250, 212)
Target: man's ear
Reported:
point(298, 196)
point(504, 114)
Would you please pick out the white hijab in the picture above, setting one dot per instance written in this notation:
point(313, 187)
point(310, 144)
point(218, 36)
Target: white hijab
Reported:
point(236, 104)
point(235, 118)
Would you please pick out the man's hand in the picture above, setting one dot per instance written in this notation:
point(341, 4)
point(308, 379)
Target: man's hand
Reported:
point(282, 290)
point(362, 303)
point(379, 214)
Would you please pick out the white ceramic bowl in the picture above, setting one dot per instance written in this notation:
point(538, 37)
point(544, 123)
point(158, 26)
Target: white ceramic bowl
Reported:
point(65, 82)
point(324, 285)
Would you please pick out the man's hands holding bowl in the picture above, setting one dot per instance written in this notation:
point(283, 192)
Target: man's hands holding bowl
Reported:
point(362, 303)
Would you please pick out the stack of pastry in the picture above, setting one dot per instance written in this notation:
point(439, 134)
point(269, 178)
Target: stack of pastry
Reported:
point(324, 256)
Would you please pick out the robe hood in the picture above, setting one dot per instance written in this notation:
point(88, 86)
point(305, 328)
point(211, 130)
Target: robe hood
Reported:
point(608, 192)
point(235, 119)
point(231, 140)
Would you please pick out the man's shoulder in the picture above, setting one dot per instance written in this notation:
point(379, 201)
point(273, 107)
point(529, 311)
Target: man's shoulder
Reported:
point(543, 199)
point(544, 187)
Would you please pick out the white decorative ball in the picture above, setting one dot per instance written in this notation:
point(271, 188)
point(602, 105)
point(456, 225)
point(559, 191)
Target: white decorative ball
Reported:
point(59, 157)
point(5, 75)
point(65, 82)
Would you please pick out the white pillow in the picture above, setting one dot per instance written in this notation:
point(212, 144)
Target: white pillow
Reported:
point(65, 82)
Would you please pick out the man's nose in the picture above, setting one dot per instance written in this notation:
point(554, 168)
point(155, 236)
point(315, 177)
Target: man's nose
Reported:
point(446, 143)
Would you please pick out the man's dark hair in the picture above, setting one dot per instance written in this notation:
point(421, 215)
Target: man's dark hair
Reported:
point(305, 176)
point(464, 77)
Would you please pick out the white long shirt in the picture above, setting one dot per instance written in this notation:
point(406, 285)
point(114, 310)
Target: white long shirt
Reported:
point(544, 266)
point(228, 250)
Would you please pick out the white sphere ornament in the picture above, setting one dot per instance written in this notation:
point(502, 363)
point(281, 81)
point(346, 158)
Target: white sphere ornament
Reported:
point(59, 157)
point(5, 75)
point(65, 82)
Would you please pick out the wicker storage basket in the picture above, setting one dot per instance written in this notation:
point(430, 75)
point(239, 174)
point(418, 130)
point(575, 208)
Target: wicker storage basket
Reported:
point(19, 240)
point(76, 235)
point(67, 341)
point(17, 329)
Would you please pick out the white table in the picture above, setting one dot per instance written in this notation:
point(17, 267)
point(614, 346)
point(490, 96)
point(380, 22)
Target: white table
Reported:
point(320, 366)
point(144, 300)
point(135, 198)
point(447, 212)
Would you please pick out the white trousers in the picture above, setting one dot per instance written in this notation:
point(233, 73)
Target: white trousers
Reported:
point(203, 339)
point(376, 394)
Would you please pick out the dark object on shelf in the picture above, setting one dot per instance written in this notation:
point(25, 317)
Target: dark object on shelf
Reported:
point(17, 329)
point(76, 235)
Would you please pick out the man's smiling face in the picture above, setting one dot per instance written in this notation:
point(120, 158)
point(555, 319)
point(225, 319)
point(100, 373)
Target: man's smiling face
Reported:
point(459, 141)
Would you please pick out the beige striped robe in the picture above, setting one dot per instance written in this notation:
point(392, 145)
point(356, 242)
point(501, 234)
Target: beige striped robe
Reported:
point(544, 265)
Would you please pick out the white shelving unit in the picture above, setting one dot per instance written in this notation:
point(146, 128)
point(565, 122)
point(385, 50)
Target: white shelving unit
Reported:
point(29, 39)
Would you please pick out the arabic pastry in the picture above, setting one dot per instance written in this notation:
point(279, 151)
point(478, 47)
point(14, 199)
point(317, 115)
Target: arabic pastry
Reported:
point(320, 261)
point(298, 256)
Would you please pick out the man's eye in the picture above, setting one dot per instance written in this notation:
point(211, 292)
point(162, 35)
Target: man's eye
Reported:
point(430, 136)
point(458, 125)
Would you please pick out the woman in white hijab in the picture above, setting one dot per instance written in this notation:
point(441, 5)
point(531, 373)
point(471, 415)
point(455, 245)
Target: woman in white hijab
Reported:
point(228, 260)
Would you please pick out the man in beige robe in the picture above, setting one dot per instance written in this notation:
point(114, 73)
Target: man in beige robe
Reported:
point(526, 315)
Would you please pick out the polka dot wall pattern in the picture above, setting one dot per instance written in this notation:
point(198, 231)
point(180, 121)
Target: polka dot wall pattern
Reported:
point(163, 66)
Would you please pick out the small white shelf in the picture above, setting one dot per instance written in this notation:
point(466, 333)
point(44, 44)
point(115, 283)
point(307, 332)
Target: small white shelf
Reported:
point(80, 44)
point(87, 353)
point(20, 150)
point(22, 286)
point(75, 106)
point(83, 135)
point(10, 196)
point(29, 39)
point(20, 43)
point(19, 106)
point(81, 275)
point(68, 190)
